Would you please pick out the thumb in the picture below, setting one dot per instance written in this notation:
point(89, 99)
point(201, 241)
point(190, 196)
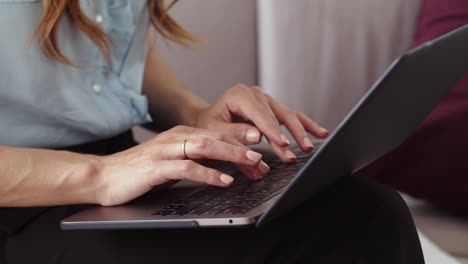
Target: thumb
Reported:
point(244, 133)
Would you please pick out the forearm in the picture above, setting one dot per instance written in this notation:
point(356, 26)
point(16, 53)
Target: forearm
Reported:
point(170, 101)
point(34, 177)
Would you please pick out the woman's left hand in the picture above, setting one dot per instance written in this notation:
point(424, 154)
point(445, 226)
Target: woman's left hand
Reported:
point(247, 113)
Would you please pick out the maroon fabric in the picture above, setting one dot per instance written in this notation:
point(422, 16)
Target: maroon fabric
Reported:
point(433, 163)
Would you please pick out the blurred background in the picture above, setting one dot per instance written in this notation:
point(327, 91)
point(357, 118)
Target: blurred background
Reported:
point(308, 54)
point(316, 56)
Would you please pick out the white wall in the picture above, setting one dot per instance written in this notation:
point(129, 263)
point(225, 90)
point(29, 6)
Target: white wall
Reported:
point(321, 56)
point(229, 54)
point(317, 56)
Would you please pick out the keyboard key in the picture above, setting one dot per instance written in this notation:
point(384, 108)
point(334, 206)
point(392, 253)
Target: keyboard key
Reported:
point(242, 196)
point(238, 209)
point(200, 209)
point(164, 212)
point(214, 211)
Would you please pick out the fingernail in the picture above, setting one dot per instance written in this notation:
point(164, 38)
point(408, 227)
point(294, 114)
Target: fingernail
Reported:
point(308, 143)
point(290, 155)
point(254, 156)
point(324, 130)
point(253, 136)
point(284, 139)
point(226, 179)
point(263, 167)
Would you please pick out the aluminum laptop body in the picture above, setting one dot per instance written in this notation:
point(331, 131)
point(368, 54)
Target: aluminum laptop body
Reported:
point(385, 116)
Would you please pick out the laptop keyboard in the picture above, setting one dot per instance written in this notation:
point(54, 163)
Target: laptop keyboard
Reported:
point(242, 196)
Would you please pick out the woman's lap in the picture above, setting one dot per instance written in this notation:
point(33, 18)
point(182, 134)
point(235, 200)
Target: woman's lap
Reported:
point(353, 220)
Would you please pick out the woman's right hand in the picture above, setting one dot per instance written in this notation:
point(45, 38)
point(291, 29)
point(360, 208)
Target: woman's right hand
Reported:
point(129, 174)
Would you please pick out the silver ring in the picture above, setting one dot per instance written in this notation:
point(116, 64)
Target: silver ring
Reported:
point(183, 148)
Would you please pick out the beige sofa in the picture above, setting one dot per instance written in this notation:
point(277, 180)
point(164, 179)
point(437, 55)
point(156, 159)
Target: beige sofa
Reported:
point(448, 232)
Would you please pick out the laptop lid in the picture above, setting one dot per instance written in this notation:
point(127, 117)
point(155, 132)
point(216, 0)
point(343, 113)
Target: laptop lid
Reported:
point(385, 116)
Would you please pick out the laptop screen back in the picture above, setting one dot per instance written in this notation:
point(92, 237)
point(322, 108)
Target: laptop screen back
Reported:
point(393, 108)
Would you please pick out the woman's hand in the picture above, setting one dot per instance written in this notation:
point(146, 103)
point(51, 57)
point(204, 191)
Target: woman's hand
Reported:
point(131, 173)
point(246, 113)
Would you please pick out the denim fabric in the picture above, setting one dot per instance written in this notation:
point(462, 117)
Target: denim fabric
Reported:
point(46, 104)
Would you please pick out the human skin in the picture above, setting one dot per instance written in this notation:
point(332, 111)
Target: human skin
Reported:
point(216, 132)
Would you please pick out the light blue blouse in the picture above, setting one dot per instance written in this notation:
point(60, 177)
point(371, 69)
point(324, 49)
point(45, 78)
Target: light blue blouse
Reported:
point(46, 104)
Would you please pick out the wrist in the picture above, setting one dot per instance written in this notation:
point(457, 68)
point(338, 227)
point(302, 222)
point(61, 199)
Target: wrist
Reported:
point(91, 181)
point(100, 169)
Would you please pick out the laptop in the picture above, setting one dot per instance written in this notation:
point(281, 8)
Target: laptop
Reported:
point(385, 116)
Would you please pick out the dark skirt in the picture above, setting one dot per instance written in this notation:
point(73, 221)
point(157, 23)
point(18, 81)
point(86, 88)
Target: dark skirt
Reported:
point(353, 221)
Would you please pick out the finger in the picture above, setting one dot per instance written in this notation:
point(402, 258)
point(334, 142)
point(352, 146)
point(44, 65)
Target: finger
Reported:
point(264, 99)
point(284, 153)
point(255, 171)
point(252, 172)
point(312, 126)
point(299, 133)
point(209, 148)
point(249, 173)
point(247, 105)
point(293, 124)
point(190, 170)
point(243, 133)
point(224, 132)
point(202, 143)
point(169, 151)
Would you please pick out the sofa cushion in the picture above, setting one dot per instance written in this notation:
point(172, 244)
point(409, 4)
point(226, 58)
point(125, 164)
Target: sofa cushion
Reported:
point(447, 231)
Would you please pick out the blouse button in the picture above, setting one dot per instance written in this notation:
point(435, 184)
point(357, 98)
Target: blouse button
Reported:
point(97, 88)
point(99, 19)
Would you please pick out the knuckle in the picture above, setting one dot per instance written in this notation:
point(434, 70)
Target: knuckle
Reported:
point(290, 114)
point(296, 113)
point(219, 136)
point(235, 140)
point(153, 160)
point(212, 176)
point(238, 88)
point(268, 96)
point(187, 165)
point(237, 154)
point(201, 143)
point(257, 89)
point(301, 116)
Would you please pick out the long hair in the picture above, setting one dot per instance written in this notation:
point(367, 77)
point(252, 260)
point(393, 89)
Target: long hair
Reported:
point(54, 11)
